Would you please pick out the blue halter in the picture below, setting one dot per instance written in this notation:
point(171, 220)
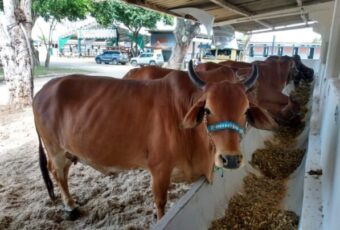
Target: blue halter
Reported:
point(226, 125)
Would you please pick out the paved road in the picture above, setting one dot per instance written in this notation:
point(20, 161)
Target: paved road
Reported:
point(90, 65)
point(87, 64)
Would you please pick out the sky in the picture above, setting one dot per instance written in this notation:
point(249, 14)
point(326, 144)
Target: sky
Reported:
point(298, 36)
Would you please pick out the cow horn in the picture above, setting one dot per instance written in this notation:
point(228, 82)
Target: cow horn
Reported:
point(193, 76)
point(251, 80)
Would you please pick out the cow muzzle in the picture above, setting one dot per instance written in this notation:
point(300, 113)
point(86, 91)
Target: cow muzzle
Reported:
point(231, 161)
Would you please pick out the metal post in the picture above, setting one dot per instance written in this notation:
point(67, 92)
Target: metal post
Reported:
point(193, 50)
point(273, 45)
point(79, 47)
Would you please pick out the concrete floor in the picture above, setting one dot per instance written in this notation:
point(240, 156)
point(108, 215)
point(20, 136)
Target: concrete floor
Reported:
point(90, 65)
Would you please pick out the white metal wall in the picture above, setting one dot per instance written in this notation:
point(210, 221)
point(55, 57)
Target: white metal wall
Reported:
point(321, 201)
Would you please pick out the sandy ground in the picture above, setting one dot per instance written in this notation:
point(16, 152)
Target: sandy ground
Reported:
point(121, 201)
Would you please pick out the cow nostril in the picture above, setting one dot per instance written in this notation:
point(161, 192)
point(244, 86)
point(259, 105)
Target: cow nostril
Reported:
point(224, 160)
point(231, 161)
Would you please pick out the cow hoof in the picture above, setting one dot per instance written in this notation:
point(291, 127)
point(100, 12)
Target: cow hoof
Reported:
point(73, 214)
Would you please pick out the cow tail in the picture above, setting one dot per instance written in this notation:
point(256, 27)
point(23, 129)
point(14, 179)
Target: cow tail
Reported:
point(44, 170)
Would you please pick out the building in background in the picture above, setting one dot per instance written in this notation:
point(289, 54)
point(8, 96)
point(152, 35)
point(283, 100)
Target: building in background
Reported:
point(85, 42)
point(85, 38)
point(163, 40)
point(259, 50)
point(94, 40)
point(201, 47)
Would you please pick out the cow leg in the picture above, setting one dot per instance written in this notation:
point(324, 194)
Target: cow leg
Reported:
point(59, 166)
point(160, 185)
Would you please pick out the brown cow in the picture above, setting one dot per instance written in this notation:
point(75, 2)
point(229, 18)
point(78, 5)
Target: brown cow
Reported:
point(235, 65)
point(301, 72)
point(293, 74)
point(207, 66)
point(267, 94)
point(150, 72)
point(215, 72)
point(273, 77)
point(112, 125)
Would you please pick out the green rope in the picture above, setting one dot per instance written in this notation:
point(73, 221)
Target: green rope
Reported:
point(219, 169)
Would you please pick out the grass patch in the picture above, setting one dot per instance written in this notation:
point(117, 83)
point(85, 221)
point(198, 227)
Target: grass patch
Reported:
point(41, 71)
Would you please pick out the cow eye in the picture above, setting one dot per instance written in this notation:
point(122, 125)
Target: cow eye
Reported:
point(206, 111)
point(249, 117)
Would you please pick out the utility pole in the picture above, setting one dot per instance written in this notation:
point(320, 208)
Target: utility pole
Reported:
point(273, 45)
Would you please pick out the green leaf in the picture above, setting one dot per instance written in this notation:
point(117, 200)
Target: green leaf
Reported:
point(133, 17)
point(61, 9)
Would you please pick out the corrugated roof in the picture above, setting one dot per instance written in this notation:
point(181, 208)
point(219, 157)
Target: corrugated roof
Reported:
point(96, 33)
point(244, 15)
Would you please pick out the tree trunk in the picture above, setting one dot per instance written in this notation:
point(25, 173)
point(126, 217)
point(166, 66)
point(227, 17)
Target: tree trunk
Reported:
point(135, 37)
point(35, 52)
point(246, 44)
point(36, 58)
point(15, 35)
point(48, 43)
point(118, 35)
point(134, 48)
point(177, 56)
point(26, 6)
point(185, 31)
point(131, 49)
point(47, 60)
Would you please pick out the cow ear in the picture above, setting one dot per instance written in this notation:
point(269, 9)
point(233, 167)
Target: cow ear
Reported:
point(195, 114)
point(260, 118)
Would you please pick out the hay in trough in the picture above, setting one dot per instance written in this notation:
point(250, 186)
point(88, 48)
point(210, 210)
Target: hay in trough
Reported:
point(5, 222)
point(285, 136)
point(302, 93)
point(257, 207)
point(277, 163)
point(279, 159)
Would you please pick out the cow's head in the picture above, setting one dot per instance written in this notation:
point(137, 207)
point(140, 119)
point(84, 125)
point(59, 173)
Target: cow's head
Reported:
point(227, 111)
point(286, 63)
point(295, 74)
point(297, 70)
point(306, 74)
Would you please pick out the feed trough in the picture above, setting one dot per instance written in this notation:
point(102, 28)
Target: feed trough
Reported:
point(267, 191)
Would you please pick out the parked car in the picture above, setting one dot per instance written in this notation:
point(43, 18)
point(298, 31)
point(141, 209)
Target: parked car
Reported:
point(113, 57)
point(148, 59)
